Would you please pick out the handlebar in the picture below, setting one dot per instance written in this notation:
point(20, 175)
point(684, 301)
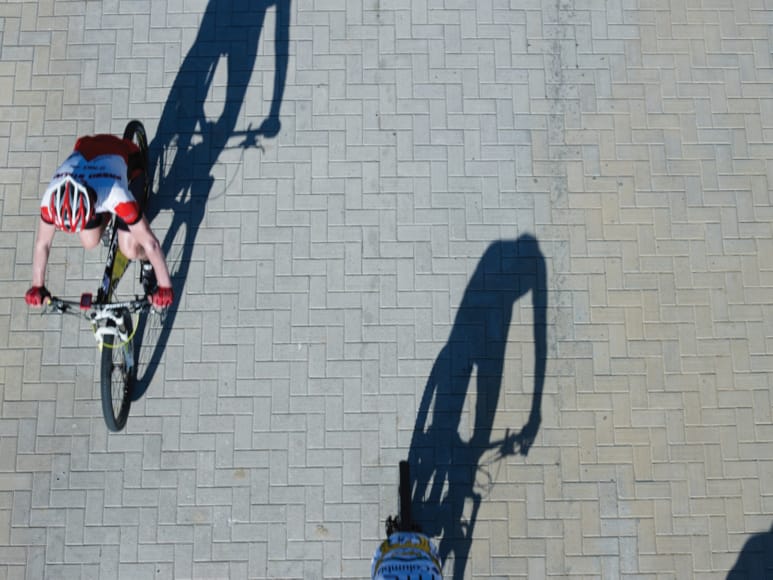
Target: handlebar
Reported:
point(105, 318)
point(91, 310)
point(512, 444)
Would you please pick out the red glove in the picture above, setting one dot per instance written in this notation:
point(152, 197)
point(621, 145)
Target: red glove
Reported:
point(37, 295)
point(162, 297)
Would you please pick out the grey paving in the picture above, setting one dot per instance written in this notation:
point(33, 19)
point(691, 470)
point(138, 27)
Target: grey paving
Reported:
point(322, 274)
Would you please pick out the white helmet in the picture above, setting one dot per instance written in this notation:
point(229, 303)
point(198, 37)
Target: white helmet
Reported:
point(71, 205)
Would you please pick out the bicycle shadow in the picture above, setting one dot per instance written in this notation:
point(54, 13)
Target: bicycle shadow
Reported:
point(187, 144)
point(443, 466)
point(755, 559)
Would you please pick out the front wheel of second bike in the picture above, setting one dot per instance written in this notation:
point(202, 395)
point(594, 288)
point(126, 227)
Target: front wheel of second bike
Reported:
point(117, 377)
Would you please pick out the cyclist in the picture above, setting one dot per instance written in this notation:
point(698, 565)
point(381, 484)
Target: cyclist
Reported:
point(92, 183)
point(406, 556)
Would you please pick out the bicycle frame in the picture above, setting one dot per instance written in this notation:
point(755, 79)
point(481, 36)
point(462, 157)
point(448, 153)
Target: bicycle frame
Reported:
point(115, 266)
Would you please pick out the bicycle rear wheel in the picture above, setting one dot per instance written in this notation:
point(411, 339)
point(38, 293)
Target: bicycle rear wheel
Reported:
point(117, 377)
point(135, 132)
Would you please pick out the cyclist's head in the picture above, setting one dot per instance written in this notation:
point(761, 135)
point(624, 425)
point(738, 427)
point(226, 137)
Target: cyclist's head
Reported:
point(72, 205)
point(406, 555)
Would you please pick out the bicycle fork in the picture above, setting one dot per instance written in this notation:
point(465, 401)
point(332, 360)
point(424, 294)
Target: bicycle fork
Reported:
point(101, 325)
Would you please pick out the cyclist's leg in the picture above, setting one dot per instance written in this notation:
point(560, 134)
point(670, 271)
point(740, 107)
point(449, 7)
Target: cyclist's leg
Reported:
point(91, 235)
point(133, 250)
point(129, 246)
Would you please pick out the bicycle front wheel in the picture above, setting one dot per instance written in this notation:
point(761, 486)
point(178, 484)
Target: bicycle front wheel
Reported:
point(117, 378)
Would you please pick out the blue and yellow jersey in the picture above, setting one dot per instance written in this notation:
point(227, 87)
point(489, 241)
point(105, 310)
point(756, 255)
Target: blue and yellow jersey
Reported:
point(406, 555)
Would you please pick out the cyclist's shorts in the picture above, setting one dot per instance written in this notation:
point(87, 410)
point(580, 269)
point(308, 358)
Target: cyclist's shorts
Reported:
point(406, 555)
point(101, 218)
point(121, 225)
point(96, 221)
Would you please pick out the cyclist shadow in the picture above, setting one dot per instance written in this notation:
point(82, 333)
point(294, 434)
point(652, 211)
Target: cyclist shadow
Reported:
point(188, 144)
point(756, 558)
point(445, 501)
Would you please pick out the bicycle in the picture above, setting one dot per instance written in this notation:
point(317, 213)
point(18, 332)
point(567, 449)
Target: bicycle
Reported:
point(112, 321)
point(407, 552)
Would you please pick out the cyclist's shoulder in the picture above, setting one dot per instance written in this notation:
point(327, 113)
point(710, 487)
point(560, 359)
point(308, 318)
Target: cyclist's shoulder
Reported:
point(91, 146)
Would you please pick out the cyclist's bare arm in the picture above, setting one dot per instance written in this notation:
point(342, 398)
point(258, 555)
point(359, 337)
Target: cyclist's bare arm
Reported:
point(145, 237)
point(40, 252)
point(540, 301)
point(282, 49)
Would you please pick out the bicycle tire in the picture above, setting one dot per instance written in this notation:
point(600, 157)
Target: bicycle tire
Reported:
point(135, 132)
point(148, 323)
point(116, 379)
point(406, 523)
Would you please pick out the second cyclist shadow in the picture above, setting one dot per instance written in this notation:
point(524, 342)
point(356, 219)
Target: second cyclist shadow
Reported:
point(756, 558)
point(450, 475)
point(188, 143)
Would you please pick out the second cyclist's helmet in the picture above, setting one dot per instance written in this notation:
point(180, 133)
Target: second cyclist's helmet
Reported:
point(72, 205)
point(406, 556)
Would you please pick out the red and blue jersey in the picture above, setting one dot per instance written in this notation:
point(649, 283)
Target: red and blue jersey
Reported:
point(100, 162)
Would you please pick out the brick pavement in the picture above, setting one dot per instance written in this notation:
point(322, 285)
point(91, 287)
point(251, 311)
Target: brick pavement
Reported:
point(322, 275)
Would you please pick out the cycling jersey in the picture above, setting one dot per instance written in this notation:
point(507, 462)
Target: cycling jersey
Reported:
point(101, 162)
point(406, 555)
